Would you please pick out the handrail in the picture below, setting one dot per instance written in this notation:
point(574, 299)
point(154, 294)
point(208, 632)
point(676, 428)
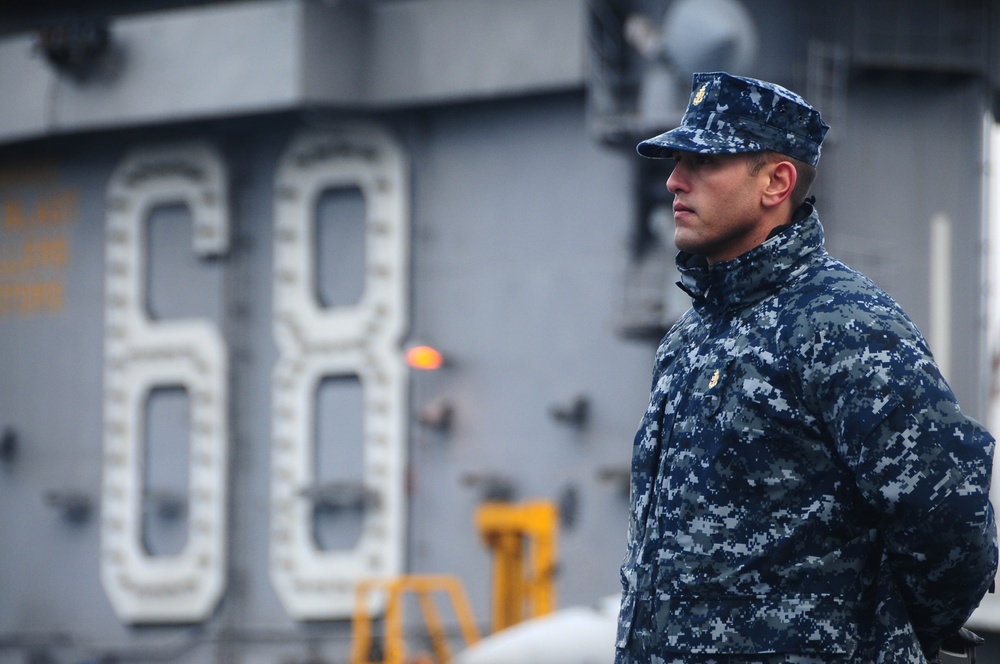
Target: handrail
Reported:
point(424, 587)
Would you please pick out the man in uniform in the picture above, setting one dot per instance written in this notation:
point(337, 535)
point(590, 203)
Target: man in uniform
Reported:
point(805, 488)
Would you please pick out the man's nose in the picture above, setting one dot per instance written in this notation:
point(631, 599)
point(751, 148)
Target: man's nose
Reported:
point(675, 180)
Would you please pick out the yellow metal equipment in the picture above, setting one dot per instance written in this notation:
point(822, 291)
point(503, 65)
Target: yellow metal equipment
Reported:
point(517, 534)
point(522, 539)
point(394, 646)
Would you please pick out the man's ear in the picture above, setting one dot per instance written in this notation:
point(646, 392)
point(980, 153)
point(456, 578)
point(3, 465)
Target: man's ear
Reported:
point(780, 184)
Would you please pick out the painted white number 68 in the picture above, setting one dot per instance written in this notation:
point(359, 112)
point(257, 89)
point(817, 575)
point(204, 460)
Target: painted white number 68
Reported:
point(359, 341)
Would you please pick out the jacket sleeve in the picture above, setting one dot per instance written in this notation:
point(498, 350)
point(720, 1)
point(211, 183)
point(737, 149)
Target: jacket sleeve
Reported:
point(922, 464)
point(928, 477)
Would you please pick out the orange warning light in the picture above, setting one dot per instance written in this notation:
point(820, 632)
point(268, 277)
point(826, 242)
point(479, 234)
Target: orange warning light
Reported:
point(424, 357)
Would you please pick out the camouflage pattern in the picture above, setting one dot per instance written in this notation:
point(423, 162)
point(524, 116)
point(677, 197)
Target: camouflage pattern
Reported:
point(805, 487)
point(731, 114)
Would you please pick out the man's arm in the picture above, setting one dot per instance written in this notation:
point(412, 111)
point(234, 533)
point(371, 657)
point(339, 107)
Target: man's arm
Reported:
point(928, 476)
point(921, 464)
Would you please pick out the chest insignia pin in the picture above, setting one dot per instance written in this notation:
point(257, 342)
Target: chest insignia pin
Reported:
point(715, 380)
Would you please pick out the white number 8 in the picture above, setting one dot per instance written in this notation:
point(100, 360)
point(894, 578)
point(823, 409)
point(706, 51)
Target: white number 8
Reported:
point(359, 340)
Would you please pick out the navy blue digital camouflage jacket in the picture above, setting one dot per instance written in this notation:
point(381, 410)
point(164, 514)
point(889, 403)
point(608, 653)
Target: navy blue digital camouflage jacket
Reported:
point(803, 480)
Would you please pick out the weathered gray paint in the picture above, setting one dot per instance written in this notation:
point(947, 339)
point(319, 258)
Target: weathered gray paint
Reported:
point(251, 57)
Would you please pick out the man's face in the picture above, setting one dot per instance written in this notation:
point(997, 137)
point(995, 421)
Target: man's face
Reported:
point(717, 205)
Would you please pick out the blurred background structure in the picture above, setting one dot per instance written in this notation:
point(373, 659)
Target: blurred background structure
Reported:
point(224, 226)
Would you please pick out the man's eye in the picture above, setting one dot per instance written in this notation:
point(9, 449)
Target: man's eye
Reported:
point(693, 158)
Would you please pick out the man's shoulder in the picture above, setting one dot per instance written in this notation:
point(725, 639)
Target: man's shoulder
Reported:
point(827, 272)
point(830, 287)
point(829, 297)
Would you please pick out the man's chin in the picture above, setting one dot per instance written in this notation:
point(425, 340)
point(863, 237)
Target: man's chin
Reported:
point(688, 244)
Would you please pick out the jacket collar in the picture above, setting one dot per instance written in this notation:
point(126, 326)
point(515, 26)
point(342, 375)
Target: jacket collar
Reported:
point(754, 275)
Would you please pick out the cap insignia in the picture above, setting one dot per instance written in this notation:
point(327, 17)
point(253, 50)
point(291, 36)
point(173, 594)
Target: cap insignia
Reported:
point(700, 95)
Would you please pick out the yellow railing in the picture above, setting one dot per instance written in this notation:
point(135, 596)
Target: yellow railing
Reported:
point(394, 641)
point(522, 539)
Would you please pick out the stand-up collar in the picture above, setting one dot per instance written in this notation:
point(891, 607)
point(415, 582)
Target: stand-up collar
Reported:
point(753, 275)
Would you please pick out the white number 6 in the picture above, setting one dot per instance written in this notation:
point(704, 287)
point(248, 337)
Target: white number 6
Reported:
point(141, 354)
